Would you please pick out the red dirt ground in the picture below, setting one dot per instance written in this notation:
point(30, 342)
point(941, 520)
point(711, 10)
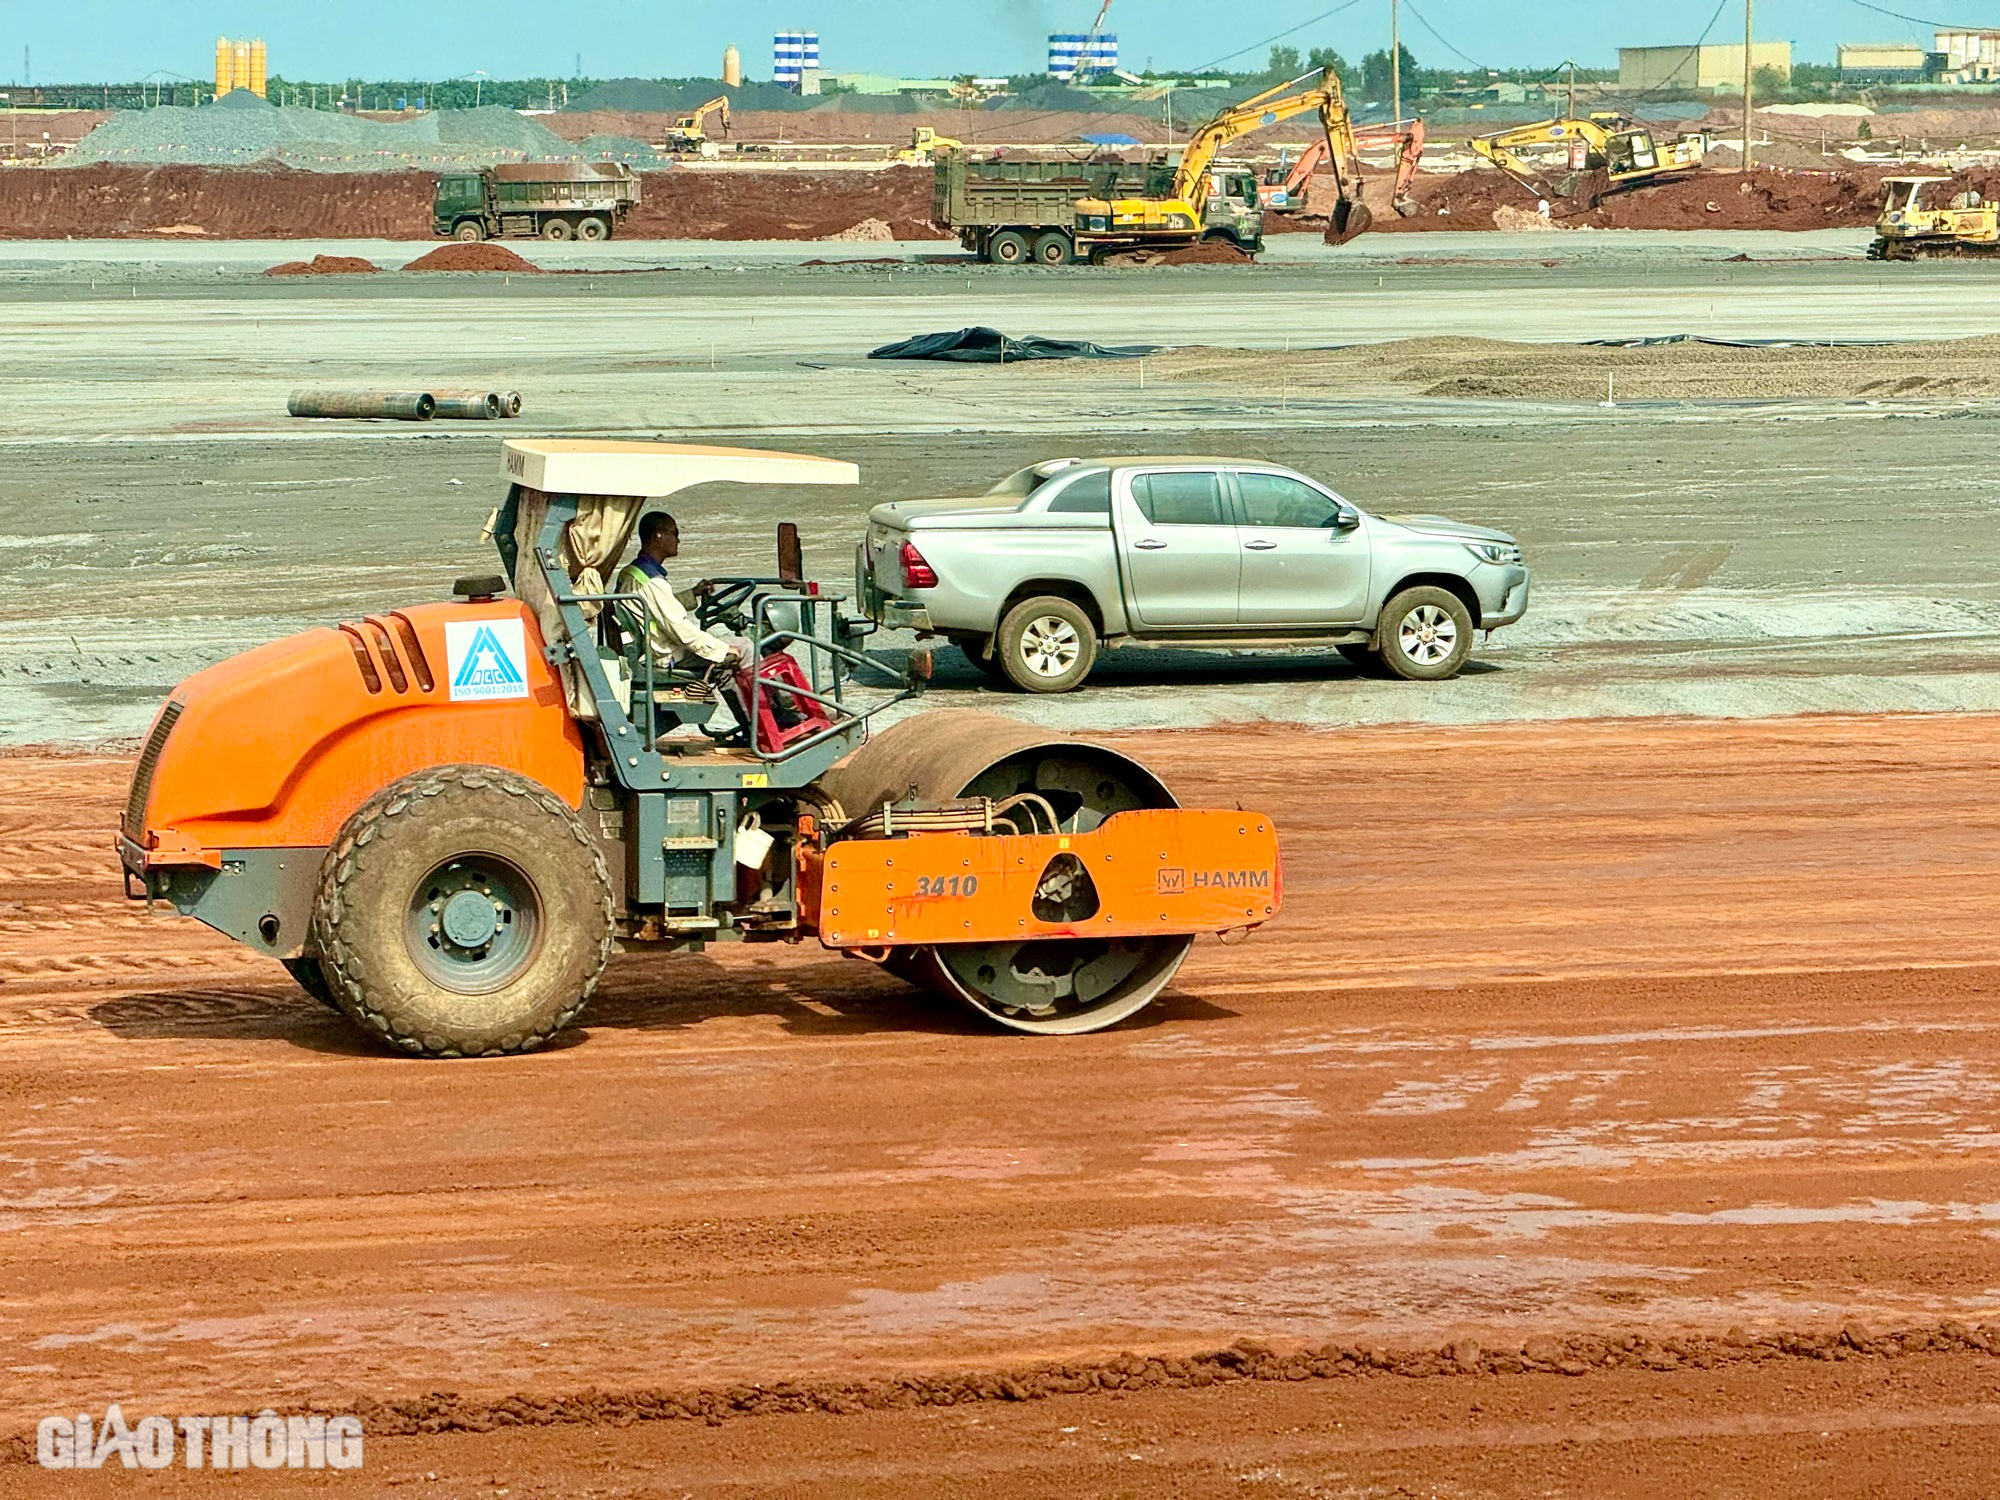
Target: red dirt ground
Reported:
point(1612, 1111)
point(459, 256)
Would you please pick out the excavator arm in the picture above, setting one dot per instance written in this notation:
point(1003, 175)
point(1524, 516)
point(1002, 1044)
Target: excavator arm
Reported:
point(692, 125)
point(1410, 144)
point(1270, 108)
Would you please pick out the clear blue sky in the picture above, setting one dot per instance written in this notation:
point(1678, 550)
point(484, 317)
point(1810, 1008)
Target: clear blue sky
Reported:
point(90, 40)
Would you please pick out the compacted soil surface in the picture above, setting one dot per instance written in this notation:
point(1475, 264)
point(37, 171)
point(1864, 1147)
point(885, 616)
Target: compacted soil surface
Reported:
point(1611, 1111)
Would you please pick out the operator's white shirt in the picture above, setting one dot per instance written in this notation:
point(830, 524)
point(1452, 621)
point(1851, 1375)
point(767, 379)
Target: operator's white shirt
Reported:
point(673, 636)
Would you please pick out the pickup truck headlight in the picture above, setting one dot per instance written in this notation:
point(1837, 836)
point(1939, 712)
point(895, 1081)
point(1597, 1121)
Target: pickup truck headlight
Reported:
point(1498, 553)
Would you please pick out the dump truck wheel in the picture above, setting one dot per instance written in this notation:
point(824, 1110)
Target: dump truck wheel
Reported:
point(1054, 249)
point(1008, 248)
point(1046, 645)
point(312, 979)
point(593, 228)
point(469, 230)
point(557, 229)
point(1426, 634)
point(464, 911)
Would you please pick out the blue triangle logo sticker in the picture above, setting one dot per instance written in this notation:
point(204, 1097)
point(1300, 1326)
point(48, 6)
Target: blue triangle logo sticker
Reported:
point(486, 664)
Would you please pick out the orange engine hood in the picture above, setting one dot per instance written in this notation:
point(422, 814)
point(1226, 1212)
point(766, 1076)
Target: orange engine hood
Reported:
point(278, 746)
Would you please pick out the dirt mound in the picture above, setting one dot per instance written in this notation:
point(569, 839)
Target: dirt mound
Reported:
point(114, 202)
point(472, 257)
point(1768, 198)
point(325, 265)
point(721, 205)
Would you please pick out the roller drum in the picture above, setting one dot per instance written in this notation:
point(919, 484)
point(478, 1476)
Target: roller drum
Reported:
point(1050, 986)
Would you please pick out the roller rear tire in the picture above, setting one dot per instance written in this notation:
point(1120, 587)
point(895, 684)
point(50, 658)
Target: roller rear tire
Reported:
point(464, 911)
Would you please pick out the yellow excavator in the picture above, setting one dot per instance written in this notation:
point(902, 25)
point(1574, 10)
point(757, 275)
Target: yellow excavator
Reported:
point(1186, 212)
point(1965, 228)
point(1604, 154)
point(925, 144)
point(689, 137)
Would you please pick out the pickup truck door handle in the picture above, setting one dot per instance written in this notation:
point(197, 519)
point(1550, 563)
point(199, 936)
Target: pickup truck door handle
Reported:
point(1148, 544)
point(1259, 546)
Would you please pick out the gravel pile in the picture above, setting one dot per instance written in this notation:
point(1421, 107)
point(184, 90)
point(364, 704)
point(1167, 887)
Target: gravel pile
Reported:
point(262, 134)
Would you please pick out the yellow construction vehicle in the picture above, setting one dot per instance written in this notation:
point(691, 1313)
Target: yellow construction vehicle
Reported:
point(1603, 154)
point(925, 143)
point(1181, 216)
point(690, 134)
point(1285, 185)
point(1967, 227)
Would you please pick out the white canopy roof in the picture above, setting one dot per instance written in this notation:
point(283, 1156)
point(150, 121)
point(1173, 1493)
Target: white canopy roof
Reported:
point(589, 466)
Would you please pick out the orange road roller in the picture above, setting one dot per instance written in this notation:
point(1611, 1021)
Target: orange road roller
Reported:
point(443, 819)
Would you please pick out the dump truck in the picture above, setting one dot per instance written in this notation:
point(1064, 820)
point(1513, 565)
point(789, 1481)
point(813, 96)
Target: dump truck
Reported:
point(555, 200)
point(1908, 228)
point(443, 819)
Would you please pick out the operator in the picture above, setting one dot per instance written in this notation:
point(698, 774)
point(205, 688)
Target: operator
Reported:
point(673, 636)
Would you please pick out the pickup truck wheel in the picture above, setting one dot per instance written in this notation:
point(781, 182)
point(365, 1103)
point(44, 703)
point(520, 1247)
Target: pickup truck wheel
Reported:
point(1008, 248)
point(1046, 645)
point(593, 228)
point(1426, 634)
point(469, 229)
point(556, 229)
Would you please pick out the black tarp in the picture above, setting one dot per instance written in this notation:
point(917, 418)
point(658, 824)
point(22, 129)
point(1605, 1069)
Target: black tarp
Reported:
point(989, 346)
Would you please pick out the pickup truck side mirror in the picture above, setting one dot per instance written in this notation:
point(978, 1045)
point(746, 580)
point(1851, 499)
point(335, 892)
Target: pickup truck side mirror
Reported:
point(1344, 520)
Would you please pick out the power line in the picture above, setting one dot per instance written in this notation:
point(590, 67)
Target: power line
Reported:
point(1410, 6)
point(1288, 31)
point(1919, 20)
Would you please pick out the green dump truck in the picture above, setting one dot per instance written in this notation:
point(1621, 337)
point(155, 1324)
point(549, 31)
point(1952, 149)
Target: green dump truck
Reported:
point(555, 200)
point(1015, 212)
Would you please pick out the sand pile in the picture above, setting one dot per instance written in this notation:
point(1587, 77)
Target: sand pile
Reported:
point(867, 229)
point(238, 133)
point(459, 256)
point(325, 265)
point(1489, 369)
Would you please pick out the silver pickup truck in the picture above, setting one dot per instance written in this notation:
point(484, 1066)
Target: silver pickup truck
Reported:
point(1062, 558)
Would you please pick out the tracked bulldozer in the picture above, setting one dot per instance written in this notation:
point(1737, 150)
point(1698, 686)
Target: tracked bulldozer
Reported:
point(1908, 228)
point(444, 819)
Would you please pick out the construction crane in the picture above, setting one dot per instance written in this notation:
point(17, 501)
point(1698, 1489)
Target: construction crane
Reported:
point(1085, 69)
point(1621, 150)
point(1284, 189)
point(1175, 214)
point(690, 134)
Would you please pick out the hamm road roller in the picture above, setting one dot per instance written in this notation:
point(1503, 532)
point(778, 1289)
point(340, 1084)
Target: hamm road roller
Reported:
point(443, 819)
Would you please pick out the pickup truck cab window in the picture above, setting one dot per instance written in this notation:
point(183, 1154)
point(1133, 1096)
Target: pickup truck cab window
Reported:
point(1087, 494)
point(1280, 500)
point(1187, 498)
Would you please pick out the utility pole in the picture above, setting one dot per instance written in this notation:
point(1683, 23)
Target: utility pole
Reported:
point(1572, 91)
point(1396, 60)
point(1749, 14)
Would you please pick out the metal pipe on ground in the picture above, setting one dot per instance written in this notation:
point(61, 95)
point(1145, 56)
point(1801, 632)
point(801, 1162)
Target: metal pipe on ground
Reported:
point(470, 406)
point(401, 406)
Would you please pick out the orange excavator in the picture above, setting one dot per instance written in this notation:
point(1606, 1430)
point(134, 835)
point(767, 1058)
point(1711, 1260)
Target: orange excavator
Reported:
point(1284, 189)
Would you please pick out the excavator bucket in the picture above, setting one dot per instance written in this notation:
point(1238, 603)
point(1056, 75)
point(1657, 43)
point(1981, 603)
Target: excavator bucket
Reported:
point(1350, 217)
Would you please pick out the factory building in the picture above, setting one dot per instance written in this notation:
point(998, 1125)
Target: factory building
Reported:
point(1702, 69)
point(1882, 62)
point(1968, 56)
point(1074, 51)
point(795, 60)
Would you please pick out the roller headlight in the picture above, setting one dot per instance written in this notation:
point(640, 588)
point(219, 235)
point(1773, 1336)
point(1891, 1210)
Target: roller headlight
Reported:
point(1498, 553)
